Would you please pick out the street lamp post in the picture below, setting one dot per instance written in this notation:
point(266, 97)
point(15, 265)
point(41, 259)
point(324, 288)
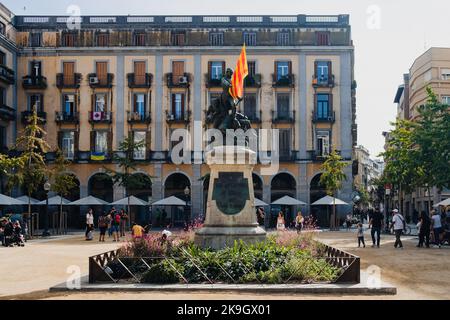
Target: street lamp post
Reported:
point(47, 187)
point(187, 193)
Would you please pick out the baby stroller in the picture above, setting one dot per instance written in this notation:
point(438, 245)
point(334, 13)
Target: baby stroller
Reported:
point(446, 235)
point(17, 237)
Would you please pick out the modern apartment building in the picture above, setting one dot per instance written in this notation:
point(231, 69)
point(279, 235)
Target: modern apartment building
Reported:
point(431, 69)
point(145, 76)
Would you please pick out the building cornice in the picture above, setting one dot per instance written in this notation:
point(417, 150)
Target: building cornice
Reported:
point(263, 50)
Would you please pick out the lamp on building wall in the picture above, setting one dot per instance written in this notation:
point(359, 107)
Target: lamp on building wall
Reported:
point(47, 187)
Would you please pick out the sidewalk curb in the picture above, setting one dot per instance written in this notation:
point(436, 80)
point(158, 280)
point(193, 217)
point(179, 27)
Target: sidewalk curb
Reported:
point(319, 289)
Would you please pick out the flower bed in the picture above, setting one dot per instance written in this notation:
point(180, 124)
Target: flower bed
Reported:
point(284, 257)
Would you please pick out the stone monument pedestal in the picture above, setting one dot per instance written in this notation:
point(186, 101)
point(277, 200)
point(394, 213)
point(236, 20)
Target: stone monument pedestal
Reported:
point(231, 211)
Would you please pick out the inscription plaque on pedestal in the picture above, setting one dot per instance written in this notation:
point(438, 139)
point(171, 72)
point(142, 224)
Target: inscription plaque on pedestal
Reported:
point(231, 192)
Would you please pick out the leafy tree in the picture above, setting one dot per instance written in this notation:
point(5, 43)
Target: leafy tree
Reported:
point(403, 168)
point(125, 176)
point(332, 178)
point(32, 146)
point(431, 137)
point(62, 182)
point(8, 167)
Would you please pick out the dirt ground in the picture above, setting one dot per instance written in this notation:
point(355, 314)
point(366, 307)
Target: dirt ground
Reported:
point(27, 273)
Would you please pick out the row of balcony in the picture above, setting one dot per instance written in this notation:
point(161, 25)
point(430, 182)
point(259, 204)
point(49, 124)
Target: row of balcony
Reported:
point(94, 117)
point(165, 156)
point(7, 75)
point(8, 113)
point(145, 81)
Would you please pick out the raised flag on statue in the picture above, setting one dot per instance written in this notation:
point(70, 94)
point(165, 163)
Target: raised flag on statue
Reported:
point(239, 75)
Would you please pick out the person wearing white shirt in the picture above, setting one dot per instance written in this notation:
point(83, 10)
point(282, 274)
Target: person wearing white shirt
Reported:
point(398, 223)
point(436, 225)
point(89, 222)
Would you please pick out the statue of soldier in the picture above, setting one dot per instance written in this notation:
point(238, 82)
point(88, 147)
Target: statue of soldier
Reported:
point(222, 113)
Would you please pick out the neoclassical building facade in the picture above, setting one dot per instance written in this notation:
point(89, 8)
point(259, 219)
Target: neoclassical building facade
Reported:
point(111, 77)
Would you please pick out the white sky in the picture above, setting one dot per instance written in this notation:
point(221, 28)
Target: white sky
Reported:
point(406, 30)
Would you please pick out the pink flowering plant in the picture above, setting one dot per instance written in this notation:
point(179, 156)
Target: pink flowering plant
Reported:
point(285, 257)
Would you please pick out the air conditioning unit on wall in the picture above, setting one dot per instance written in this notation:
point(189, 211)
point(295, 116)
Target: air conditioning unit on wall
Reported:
point(93, 80)
point(183, 80)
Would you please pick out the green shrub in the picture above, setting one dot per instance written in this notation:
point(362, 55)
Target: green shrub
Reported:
point(308, 269)
point(162, 273)
point(287, 257)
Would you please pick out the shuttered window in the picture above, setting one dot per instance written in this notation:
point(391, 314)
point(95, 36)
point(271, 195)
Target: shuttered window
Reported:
point(69, 40)
point(69, 73)
point(102, 40)
point(283, 39)
point(216, 38)
point(283, 106)
point(178, 39)
point(139, 39)
point(250, 106)
point(139, 72)
point(285, 142)
point(177, 70)
point(251, 68)
point(323, 38)
point(102, 72)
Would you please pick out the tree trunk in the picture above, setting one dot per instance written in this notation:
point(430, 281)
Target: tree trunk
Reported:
point(430, 207)
point(29, 218)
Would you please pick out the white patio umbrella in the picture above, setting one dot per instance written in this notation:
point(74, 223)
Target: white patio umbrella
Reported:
point(132, 201)
point(259, 203)
point(27, 199)
point(444, 203)
point(89, 201)
point(288, 201)
point(8, 201)
point(329, 201)
point(54, 201)
point(171, 201)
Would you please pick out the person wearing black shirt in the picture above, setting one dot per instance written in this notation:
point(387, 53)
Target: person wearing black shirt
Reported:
point(424, 230)
point(376, 223)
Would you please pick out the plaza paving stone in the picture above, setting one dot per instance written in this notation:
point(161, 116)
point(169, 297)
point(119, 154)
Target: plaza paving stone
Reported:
point(28, 273)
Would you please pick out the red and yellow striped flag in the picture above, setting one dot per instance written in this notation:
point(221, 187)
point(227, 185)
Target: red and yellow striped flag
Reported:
point(241, 72)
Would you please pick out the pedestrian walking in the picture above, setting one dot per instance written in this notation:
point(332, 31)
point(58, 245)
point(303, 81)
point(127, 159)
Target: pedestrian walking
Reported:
point(109, 219)
point(123, 222)
point(115, 226)
point(360, 232)
point(103, 226)
point(376, 225)
point(281, 223)
point(399, 225)
point(299, 221)
point(436, 225)
point(424, 230)
point(89, 224)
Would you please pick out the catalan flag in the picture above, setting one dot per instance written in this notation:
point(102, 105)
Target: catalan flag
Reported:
point(241, 72)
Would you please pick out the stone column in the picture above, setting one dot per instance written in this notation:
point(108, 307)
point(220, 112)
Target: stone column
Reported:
point(303, 188)
point(267, 198)
point(197, 192)
point(157, 187)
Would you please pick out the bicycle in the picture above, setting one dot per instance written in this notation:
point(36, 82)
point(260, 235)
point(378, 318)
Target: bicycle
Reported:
point(407, 231)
